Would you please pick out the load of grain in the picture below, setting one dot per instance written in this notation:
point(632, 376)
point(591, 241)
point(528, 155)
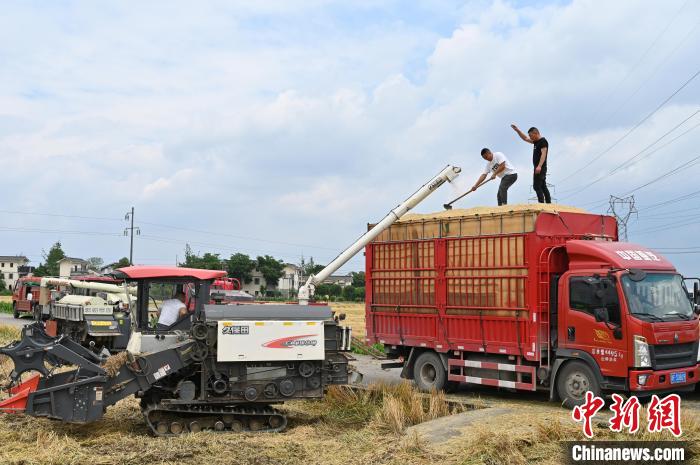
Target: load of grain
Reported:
point(485, 258)
point(477, 221)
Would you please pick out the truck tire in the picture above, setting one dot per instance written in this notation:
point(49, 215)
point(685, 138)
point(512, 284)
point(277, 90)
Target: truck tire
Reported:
point(428, 372)
point(15, 312)
point(573, 380)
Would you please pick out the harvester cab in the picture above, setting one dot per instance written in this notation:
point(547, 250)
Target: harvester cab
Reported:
point(155, 286)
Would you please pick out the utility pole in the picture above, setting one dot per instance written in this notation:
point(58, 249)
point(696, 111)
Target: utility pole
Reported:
point(130, 232)
point(622, 208)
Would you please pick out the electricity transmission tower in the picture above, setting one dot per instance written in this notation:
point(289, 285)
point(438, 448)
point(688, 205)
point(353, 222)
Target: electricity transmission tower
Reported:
point(622, 208)
point(552, 191)
point(130, 231)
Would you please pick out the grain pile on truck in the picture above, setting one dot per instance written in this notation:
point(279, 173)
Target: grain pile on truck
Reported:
point(530, 297)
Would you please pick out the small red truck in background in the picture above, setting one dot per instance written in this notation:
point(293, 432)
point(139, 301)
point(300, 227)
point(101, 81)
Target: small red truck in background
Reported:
point(529, 300)
point(25, 296)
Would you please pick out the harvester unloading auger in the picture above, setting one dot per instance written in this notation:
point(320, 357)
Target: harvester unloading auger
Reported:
point(220, 368)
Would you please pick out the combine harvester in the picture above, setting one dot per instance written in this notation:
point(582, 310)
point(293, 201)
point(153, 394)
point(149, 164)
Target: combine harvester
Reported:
point(220, 368)
point(530, 297)
point(93, 311)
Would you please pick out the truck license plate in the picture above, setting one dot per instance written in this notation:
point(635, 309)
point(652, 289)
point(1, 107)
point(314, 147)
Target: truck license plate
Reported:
point(678, 377)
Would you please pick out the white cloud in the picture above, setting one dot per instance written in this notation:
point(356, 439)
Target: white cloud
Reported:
point(274, 112)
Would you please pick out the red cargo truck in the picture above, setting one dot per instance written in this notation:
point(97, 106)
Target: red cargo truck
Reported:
point(25, 296)
point(530, 300)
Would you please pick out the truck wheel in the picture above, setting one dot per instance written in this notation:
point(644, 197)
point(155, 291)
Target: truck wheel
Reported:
point(15, 312)
point(428, 372)
point(573, 381)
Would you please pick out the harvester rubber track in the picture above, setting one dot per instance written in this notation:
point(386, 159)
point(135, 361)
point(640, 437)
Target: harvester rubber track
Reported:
point(169, 419)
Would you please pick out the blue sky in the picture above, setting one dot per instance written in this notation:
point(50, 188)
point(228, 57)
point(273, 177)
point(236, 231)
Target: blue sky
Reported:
point(284, 127)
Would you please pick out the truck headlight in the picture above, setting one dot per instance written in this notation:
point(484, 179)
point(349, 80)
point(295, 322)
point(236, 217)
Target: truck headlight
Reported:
point(641, 352)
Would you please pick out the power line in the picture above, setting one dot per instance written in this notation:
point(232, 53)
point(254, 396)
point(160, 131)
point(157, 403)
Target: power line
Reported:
point(675, 199)
point(58, 231)
point(692, 162)
point(82, 217)
point(631, 160)
point(631, 130)
point(653, 73)
point(222, 247)
point(213, 233)
point(634, 67)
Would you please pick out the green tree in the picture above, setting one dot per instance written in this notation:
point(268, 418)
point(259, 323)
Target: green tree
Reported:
point(95, 263)
point(348, 293)
point(271, 269)
point(208, 261)
point(3, 286)
point(50, 266)
point(310, 267)
point(359, 293)
point(241, 266)
point(121, 263)
point(332, 290)
point(358, 279)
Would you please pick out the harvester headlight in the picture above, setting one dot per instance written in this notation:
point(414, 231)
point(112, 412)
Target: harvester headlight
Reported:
point(641, 352)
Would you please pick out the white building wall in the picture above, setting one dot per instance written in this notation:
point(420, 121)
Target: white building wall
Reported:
point(9, 269)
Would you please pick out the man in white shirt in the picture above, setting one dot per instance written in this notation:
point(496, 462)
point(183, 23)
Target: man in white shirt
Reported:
point(172, 310)
point(498, 166)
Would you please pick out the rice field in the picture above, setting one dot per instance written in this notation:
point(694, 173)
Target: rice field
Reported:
point(354, 316)
point(349, 426)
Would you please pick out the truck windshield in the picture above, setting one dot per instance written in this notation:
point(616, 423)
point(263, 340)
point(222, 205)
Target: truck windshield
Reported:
point(658, 296)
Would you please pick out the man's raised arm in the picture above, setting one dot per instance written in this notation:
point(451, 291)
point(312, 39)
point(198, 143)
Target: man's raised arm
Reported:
point(521, 134)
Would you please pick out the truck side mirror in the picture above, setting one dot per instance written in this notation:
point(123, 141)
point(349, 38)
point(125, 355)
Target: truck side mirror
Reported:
point(601, 315)
point(696, 308)
point(696, 292)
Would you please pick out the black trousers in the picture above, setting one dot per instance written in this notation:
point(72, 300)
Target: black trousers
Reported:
point(539, 184)
point(506, 182)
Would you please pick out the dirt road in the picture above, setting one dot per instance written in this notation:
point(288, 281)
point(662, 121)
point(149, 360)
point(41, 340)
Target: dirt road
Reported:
point(8, 319)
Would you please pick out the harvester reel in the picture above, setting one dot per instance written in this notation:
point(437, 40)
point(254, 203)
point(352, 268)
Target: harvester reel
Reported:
point(29, 354)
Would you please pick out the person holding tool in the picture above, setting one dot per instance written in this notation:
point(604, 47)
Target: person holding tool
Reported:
point(497, 165)
point(539, 161)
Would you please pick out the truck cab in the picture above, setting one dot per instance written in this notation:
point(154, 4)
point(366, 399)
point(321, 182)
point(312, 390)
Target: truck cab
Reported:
point(624, 321)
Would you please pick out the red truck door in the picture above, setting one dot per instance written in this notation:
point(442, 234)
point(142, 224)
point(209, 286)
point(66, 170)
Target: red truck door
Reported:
point(579, 328)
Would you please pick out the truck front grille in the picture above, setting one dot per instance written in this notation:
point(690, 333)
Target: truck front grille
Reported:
point(667, 356)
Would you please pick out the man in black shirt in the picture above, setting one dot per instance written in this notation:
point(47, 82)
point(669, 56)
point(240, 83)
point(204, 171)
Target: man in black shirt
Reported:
point(539, 161)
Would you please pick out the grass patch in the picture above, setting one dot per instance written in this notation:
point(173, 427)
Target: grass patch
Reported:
point(6, 307)
point(8, 334)
point(390, 408)
point(362, 351)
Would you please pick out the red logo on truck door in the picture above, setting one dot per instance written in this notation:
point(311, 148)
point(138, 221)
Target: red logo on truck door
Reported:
point(291, 342)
